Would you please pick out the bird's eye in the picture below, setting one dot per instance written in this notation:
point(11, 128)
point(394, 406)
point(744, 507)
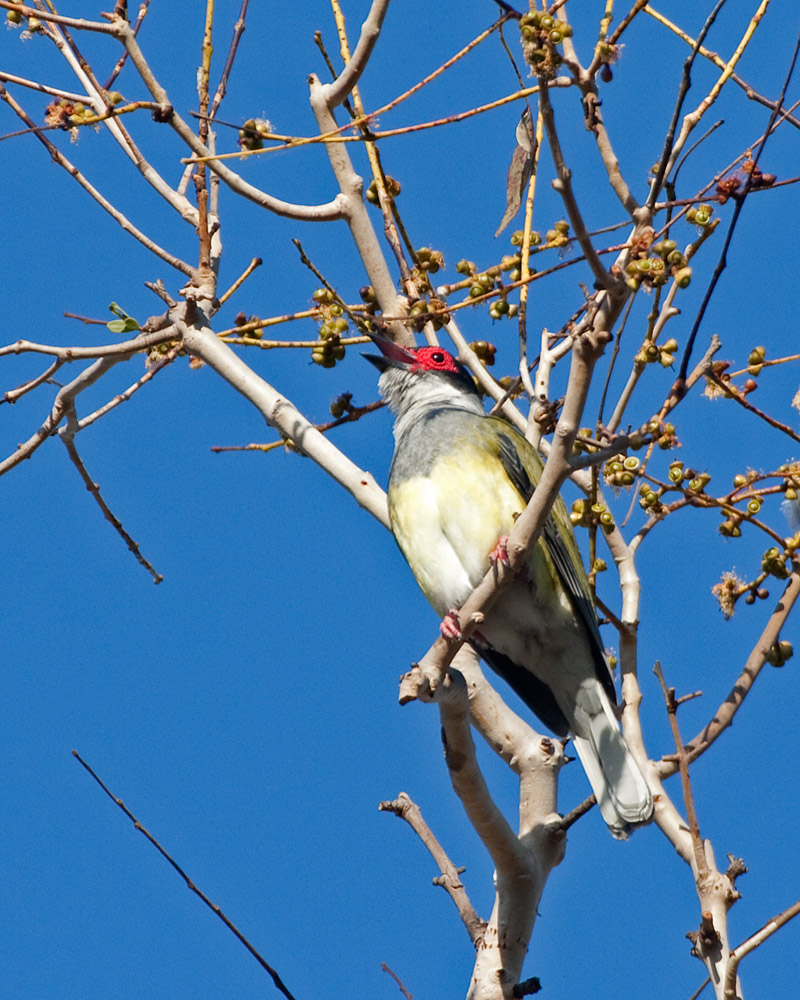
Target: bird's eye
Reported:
point(438, 357)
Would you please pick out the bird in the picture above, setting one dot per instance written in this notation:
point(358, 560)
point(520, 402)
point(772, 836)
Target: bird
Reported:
point(458, 479)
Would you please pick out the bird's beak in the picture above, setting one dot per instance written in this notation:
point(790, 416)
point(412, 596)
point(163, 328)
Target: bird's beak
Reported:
point(392, 355)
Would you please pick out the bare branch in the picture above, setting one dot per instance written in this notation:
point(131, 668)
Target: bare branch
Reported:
point(671, 703)
point(63, 402)
point(752, 943)
point(123, 349)
point(309, 213)
point(14, 394)
point(468, 782)
point(563, 185)
point(41, 88)
point(222, 87)
point(285, 418)
point(68, 22)
point(692, 119)
point(143, 9)
point(337, 91)
point(256, 262)
point(123, 397)
point(68, 437)
point(741, 199)
point(189, 883)
point(752, 94)
point(732, 392)
point(669, 140)
point(726, 713)
point(397, 979)
point(76, 174)
point(450, 879)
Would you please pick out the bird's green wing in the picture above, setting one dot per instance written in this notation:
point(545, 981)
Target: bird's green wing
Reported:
point(523, 466)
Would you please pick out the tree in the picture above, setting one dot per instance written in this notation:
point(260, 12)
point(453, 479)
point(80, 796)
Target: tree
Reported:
point(657, 256)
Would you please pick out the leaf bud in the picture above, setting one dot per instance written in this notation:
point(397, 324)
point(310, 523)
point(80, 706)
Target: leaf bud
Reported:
point(683, 277)
point(675, 473)
point(780, 653)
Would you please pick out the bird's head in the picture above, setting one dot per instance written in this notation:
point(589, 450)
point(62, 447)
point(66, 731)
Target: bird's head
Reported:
point(421, 376)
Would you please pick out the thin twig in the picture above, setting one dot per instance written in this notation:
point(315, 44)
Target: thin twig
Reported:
point(198, 892)
point(732, 392)
point(563, 184)
point(740, 200)
point(683, 90)
point(45, 15)
point(123, 397)
point(350, 417)
point(700, 988)
point(334, 135)
point(575, 814)
point(123, 348)
point(63, 401)
point(41, 88)
point(725, 714)
point(222, 86)
point(254, 263)
point(73, 171)
point(450, 879)
point(14, 394)
point(143, 8)
point(68, 437)
point(397, 979)
point(751, 93)
point(672, 703)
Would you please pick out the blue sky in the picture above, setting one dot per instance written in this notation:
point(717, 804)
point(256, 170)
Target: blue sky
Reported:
point(246, 708)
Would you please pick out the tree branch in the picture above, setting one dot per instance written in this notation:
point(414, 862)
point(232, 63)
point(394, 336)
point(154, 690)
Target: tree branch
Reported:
point(285, 418)
point(76, 174)
point(309, 213)
point(449, 879)
point(563, 185)
point(751, 944)
point(726, 713)
point(189, 883)
point(337, 91)
point(68, 437)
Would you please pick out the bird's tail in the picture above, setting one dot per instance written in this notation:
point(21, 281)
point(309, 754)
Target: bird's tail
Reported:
point(622, 793)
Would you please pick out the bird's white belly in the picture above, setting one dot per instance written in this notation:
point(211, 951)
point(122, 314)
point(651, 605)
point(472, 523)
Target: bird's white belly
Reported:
point(457, 520)
point(536, 629)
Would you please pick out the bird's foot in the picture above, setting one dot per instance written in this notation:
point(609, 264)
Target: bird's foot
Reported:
point(450, 626)
point(499, 553)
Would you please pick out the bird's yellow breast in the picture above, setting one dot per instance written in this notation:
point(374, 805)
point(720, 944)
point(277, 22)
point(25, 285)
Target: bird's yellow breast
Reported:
point(448, 521)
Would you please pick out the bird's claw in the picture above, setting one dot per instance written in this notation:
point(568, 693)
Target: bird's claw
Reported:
point(499, 553)
point(450, 626)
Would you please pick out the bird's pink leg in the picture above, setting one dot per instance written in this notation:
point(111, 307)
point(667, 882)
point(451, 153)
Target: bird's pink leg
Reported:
point(499, 553)
point(450, 626)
